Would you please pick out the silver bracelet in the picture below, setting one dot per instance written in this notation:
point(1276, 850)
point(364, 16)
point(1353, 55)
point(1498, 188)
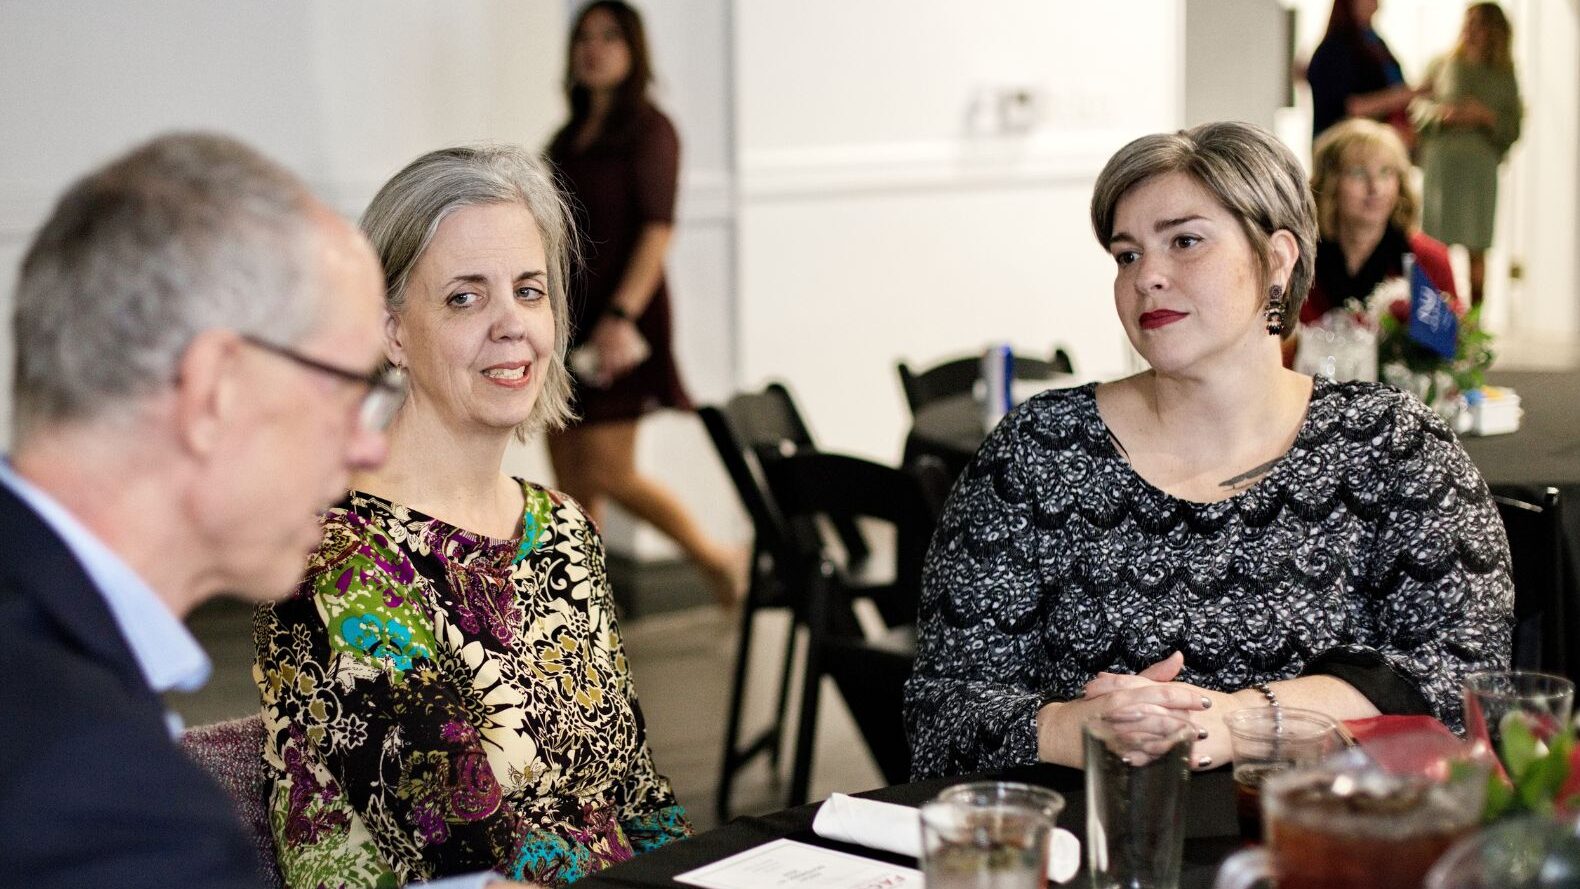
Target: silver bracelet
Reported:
point(1272, 701)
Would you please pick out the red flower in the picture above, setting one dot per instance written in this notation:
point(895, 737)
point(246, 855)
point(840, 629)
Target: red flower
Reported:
point(1400, 309)
point(1568, 797)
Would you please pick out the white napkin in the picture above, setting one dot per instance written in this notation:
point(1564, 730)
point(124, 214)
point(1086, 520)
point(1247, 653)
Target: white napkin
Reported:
point(898, 829)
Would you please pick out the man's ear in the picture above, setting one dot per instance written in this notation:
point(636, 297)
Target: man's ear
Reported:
point(394, 351)
point(208, 389)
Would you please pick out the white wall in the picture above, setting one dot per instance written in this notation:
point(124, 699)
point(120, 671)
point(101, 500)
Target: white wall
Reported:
point(899, 199)
point(342, 93)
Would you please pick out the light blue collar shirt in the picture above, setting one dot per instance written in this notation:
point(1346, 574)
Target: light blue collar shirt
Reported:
point(170, 659)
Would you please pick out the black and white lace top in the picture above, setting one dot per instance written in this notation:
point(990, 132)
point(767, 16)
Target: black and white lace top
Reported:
point(1370, 551)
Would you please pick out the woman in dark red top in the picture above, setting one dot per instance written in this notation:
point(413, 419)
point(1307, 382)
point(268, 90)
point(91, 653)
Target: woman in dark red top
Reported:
point(1366, 214)
point(617, 160)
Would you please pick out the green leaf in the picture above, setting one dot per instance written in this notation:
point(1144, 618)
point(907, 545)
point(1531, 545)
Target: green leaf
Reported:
point(1500, 796)
point(1537, 788)
point(1518, 746)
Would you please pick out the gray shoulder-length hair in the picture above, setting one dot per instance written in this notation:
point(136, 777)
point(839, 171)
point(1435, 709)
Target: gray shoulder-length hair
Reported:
point(406, 212)
point(1246, 169)
point(186, 233)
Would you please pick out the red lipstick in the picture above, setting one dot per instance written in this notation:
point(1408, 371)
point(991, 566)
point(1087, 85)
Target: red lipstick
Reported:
point(1159, 318)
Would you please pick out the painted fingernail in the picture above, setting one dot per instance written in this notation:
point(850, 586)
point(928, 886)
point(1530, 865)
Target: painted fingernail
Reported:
point(1203, 762)
point(1201, 734)
point(1206, 702)
point(1126, 760)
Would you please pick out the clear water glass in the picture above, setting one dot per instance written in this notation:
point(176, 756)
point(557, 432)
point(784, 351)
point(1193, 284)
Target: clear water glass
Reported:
point(1135, 803)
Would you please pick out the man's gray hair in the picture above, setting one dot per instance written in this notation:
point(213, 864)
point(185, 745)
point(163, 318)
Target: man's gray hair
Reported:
point(1246, 169)
point(187, 233)
point(405, 214)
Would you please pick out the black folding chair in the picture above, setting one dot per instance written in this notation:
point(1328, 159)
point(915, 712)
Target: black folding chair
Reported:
point(750, 430)
point(814, 489)
point(1543, 636)
point(959, 376)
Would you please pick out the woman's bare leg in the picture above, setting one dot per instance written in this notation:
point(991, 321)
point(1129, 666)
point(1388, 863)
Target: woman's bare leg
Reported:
point(571, 466)
point(597, 462)
point(1478, 275)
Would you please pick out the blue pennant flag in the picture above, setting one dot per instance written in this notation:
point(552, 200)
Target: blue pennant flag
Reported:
point(1432, 320)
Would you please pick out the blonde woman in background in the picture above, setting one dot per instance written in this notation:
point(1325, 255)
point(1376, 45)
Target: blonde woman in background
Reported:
point(1366, 216)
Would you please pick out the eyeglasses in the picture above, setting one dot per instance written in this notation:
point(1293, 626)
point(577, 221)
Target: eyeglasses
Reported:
point(386, 389)
point(1359, 173)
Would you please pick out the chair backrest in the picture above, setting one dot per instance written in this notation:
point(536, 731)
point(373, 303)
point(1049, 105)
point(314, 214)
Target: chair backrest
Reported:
point(1542, 617)
point(754, 429)
point(958, 376)
point(935, 478)
point(841, 488)
point(870, 672)
point(232, 753)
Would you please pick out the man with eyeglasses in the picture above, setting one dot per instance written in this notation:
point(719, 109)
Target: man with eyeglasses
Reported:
point(196, 338)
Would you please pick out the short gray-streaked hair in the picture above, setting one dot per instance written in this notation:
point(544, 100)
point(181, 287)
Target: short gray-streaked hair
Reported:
point(1248, 171)
point(187, 233)
point(405, 214)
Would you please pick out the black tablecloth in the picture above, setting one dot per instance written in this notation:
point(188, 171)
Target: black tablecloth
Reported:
point(1209, 817)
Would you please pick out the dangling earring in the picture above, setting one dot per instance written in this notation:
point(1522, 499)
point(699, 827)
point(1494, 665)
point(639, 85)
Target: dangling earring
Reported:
point(1275, 310)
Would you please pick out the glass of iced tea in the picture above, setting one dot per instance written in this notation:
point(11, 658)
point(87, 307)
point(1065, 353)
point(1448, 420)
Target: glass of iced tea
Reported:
point(988, 835)
point(1270, 740)
point(1346, 823)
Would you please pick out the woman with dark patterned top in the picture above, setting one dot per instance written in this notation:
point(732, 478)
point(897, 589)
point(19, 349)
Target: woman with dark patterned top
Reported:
point(1174, 543)
point(447, 692)
point(618, 160)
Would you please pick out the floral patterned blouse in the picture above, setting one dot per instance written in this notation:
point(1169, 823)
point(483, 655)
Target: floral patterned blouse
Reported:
point(437, 702)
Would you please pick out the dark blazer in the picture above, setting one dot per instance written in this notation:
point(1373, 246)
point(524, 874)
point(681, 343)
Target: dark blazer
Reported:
point(93, 792)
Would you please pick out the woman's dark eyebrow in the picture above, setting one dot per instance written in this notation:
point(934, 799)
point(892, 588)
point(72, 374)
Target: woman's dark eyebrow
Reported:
point(1159, 226)
point(1165, 224)
point(479, 278)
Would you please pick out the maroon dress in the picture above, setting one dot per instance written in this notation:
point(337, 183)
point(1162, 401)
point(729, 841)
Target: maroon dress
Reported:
point(616, 187)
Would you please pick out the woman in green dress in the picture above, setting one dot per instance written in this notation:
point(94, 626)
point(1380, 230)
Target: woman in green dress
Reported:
point(1466, 124)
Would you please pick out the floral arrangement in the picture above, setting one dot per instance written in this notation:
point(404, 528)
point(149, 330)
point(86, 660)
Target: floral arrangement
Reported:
point(1412, 366)
point(1540, 772)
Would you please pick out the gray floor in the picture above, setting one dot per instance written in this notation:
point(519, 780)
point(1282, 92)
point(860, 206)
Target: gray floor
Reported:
point(681, 657)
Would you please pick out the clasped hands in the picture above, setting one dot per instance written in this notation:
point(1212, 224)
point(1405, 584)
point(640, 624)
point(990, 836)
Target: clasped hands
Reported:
point(1148, 707)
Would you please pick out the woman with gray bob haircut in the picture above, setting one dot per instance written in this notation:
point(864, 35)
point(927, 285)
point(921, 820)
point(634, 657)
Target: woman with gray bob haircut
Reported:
point(472, 708)
point(403, 217)
point(1216, 532)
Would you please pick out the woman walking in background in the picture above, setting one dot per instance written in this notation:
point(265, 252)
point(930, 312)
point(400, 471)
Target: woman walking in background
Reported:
point(618, 159)
point(1467, 121)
